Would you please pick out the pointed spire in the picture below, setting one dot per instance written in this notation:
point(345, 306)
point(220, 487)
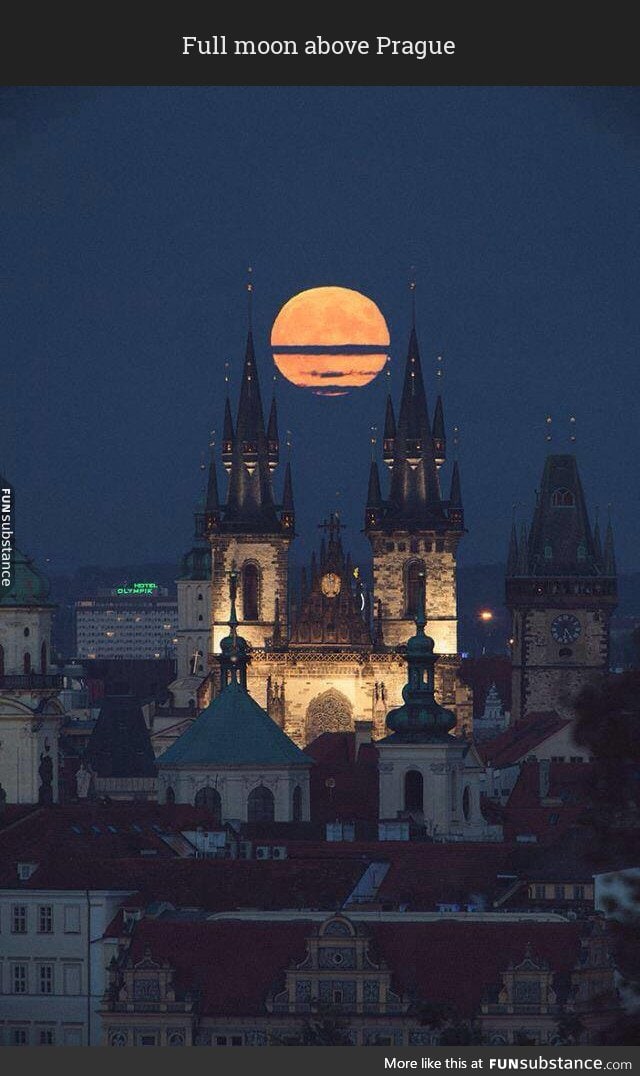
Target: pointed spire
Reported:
point(456, 511)
point(273, 444)
point(287, 514)
point(439, 438)
point(227, 437)
point(415, 493)
point(609, 559)
point(373, 513)
point(389, 438)
point(512, 555)
point(212, 503)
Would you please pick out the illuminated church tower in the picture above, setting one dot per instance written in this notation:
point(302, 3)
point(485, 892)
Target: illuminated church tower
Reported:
point(561, 591)
point(251, 532)
point(414, 532)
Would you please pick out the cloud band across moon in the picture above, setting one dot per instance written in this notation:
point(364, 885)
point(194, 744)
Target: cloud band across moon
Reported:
point(322, 337)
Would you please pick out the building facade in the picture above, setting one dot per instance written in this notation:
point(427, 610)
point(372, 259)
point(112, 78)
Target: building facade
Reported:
point(561, 590)
point(140, 624)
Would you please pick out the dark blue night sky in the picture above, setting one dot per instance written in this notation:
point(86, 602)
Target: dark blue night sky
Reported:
point(131, 214)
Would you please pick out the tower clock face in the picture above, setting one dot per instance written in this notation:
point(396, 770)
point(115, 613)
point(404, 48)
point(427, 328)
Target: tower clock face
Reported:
point(565, 628)
point(330, 585)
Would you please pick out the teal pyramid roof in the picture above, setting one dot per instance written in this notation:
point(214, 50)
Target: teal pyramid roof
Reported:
point(234, 731)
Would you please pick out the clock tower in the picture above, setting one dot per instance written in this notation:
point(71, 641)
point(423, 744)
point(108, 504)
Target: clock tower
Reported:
point(561, 591)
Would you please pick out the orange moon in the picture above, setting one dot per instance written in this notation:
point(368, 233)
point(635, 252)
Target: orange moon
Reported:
point(330, 340)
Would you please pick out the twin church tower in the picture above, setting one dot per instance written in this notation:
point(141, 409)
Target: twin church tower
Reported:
point(326, 655)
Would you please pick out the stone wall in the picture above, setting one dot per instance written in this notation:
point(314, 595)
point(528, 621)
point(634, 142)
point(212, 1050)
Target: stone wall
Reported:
point(270, 554)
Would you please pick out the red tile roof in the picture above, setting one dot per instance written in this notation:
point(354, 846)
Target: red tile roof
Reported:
point(235, 964)
point(352, 793)
point(520, 739)
point(526, 813)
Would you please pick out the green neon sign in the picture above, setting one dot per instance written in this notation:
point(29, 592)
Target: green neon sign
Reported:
point(138, 588)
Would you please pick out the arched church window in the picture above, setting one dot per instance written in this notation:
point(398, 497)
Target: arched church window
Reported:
point(43, 659)
point(26, 633)
point(413, 791)
point(26, 663)
point(466, 803)
point(414, 586)
point(250, 586)
point(296, 805)
point(209, 798)
point(200, 598)
point(261, 805)
point(562, 498)
point(170, 796)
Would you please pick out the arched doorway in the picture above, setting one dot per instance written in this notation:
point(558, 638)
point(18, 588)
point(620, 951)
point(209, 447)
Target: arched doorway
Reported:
point(261, 805)
point(413, 791)
point(329, 712)
point(209, 798)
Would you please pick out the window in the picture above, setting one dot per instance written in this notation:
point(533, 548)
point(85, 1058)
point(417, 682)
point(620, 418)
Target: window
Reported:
point(170, 796)
point(119, 1038)
point(297, 804)
point(45, 979)
point(415, 579)
point(47, 1036)
point(43, 658)
point(466, 803)
point(526, 992)
point(209, 799)
point(413, 791)
point(539, 892)
point(19, 919)
point(147, 1040)
point(548, 551)
point(578, 892)
point(562, 498)
point(175, 1038)
point(72, 919)
point(26, 663)
point(558, 892)
point(45, 919)
point(19, 979)
point(582, 551)
point(71, 978)
point(20, 1036)
point(250, 592)
point(260, 805)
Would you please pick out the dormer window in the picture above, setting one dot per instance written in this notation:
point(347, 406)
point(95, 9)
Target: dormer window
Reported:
point(562, 498)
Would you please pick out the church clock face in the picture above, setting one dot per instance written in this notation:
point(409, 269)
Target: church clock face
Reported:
point(565, 628)
point(330, 585)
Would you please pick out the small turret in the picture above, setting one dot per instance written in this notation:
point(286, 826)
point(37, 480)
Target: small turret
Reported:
point(389, 439)
point(287, 513)
point(273, 444)
point(439, 439)
point(456, 511)
point(227, 437)
point(373, 512)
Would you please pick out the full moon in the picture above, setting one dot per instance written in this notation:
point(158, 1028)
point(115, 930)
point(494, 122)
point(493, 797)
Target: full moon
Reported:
point(330, 340)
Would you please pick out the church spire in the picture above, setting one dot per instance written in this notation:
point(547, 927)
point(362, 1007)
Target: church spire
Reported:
point(456, 511)
point(250, 501)
point(227, 437)
point(287, 514)
point(439, 438)
point(212, 503)
point(273, 444)
point(414, 496)
point(389, 438)
point(374, 497)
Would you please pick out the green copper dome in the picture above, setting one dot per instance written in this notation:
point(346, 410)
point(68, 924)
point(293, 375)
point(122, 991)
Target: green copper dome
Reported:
point(28, 585)
point(421, 719)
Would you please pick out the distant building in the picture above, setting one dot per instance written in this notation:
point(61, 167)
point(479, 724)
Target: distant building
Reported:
point(561, 589)
point(136, 620)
